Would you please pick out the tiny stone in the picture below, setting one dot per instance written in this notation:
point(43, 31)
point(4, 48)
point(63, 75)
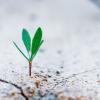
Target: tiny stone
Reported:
point(57, 72)
point(41, 71)
point(12, 71)
point(49, 76)
point(61, 67)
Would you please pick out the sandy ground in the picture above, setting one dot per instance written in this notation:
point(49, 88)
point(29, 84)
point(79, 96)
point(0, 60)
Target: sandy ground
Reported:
point(70, 55)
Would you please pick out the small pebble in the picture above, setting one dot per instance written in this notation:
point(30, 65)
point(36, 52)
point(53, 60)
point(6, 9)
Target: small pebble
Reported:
point(41, 71)
point(61, 67)
point(57, 72)
point(49, 76)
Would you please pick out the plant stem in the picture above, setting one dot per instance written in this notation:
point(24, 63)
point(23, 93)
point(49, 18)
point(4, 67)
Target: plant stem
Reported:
point(30, 68)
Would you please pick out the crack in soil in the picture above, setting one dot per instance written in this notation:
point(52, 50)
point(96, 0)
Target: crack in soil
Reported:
point(81, 73)
point(74, 75)
point(16, 86)
point(64, 82)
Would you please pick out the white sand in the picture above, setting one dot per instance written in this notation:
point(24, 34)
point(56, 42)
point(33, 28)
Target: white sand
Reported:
point(69, 26)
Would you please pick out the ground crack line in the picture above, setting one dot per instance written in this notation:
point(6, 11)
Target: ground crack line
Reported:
point(74, 75)
point(80, 73)
point(16, 86)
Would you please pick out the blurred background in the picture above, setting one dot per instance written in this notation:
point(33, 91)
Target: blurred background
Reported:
point(58, 18)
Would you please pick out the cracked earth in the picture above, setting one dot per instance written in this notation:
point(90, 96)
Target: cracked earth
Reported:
point(67, 66)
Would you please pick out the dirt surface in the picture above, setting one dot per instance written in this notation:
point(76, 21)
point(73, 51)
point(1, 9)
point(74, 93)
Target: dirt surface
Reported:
point(67, 66)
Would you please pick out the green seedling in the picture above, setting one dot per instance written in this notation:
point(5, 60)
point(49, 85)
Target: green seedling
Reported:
point(32, 47)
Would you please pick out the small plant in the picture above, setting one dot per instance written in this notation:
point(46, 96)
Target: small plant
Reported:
point(32, 47)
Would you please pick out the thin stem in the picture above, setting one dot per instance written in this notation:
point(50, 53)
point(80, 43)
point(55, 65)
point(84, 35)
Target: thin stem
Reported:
point(30, 68)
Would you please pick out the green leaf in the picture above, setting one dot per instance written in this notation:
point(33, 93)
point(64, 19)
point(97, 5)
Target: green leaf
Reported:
point(32, 56)
point(36, 41)
point(20, 50)
point(26, 40)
